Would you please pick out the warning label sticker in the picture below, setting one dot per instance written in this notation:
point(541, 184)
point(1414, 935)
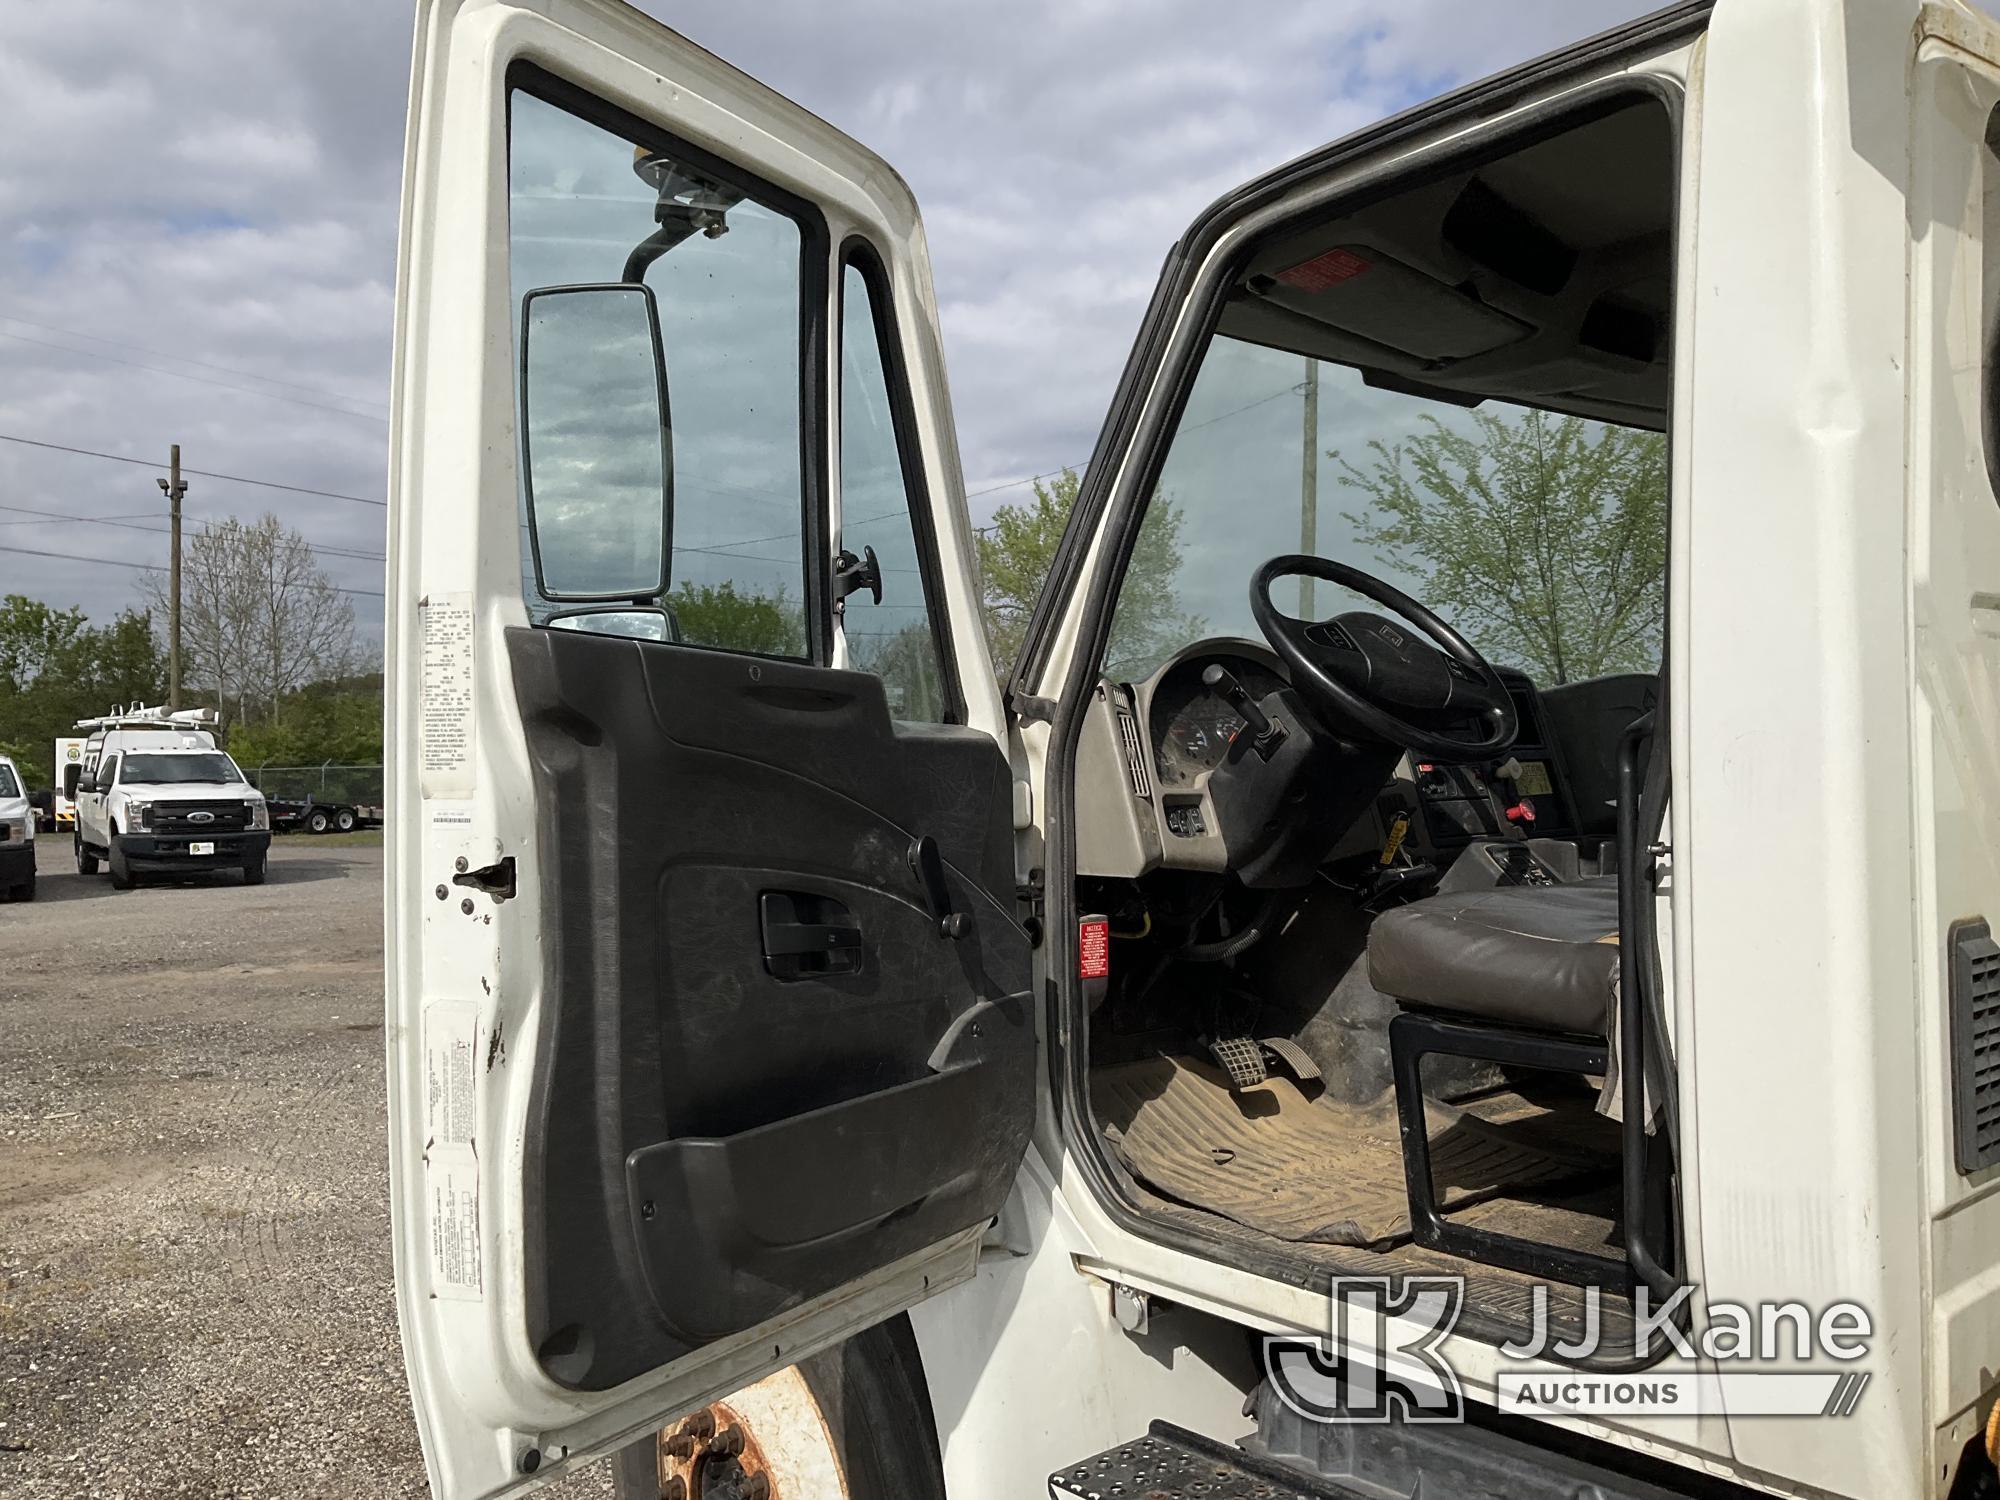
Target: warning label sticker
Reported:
point(451, 1036)
point(451, 1176)
point(447, 696)
point(1323, 271)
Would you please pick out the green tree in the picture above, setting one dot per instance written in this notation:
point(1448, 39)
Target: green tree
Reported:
point(55, 668)
point(1543, 538)
point(715, 614)
point(1017, 553)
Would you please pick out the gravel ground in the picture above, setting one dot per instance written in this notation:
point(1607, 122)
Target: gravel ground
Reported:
point(195, 1291)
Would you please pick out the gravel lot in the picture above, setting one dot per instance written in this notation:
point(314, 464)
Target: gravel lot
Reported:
point(195, 1293)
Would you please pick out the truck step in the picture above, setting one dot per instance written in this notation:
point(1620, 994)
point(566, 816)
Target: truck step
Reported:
point(1170, 1463)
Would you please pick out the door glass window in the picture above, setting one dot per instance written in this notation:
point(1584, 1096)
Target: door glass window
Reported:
point(589, 206)
point(896, 639)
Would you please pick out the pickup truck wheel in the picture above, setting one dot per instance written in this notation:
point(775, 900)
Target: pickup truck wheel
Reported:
point(253, 873)
point(121, 869)
point(344, 820)
point(317, 821)
point(86, 862)
point(851, 1423)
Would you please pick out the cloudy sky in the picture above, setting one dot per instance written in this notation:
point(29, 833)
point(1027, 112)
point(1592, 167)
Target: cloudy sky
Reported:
point(198, 218)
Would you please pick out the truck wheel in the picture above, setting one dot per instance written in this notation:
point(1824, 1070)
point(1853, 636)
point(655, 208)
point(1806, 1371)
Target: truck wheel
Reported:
point(344, 820)
point(86, 862)
point(317, 821)
point(121, 869)
point(851, 1423)
point(253, 873)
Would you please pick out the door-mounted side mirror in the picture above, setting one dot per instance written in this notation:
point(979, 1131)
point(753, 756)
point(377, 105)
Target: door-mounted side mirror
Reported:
point(72, 775)
point(596, 442)
point(642, 624)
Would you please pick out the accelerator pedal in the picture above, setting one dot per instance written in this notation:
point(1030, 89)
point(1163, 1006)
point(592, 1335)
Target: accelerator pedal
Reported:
point(1241, 1059)
point(1290, 1056)
point(1171, 1463)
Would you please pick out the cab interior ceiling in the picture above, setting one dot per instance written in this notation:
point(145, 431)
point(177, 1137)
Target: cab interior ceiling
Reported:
point(1541, 277)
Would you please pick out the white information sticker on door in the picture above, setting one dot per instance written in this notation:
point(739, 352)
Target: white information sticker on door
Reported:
point(446, 722)
point(451, 1181)
point(451, 1097)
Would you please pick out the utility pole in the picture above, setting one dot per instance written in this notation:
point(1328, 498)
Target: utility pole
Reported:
point(1308, 485)
point(174, 487)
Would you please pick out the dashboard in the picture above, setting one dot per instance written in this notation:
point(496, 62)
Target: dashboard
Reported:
point(1150, 749)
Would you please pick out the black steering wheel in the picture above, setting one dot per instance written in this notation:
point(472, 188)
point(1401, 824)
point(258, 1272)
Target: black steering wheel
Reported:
point(1366, 672)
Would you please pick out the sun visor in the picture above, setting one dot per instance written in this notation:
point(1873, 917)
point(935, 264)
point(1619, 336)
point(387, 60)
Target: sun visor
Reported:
point(1373, 295)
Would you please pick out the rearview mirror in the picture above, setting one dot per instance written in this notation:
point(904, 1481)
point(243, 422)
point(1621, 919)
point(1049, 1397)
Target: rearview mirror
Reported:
point(596, 442)
point(71, 774)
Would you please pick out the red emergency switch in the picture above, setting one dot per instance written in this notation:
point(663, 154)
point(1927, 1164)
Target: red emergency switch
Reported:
point(1521, 812)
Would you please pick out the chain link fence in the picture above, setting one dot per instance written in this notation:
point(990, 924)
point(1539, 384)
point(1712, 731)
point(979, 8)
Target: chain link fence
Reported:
point(360, 786)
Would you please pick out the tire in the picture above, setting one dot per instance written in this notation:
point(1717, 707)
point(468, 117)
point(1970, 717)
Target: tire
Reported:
point(86, 862)
point(344, 820)
point(876, 1416)
point(121, 869)
point(317, 821)
point(253, 873)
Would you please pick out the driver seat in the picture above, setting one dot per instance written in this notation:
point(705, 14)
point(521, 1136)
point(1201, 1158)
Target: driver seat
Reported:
point(1537, 956)
point(1524, 976)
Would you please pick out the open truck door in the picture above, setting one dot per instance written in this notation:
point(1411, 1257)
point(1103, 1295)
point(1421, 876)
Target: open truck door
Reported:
point(709, 1029)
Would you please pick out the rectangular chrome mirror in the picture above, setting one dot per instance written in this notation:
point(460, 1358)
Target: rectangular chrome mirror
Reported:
point(596, 442)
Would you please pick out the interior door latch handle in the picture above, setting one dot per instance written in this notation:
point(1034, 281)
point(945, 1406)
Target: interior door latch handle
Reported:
point(928, 866)
point(808, 936)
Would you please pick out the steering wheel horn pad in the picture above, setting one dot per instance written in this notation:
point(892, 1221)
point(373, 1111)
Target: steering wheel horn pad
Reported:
point(1371, 673)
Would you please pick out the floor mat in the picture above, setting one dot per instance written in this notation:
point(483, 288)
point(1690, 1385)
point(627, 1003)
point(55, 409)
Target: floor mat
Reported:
point(1305, 1168)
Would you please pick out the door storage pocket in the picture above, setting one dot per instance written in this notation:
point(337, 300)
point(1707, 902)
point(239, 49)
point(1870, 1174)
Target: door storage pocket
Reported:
point(735, 1229)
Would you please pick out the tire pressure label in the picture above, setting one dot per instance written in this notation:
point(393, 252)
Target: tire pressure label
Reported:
point(446, 719)
point(451, 1156)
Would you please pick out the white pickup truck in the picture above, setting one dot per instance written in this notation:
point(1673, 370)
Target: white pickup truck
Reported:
point(17, 835)
point(154, 795)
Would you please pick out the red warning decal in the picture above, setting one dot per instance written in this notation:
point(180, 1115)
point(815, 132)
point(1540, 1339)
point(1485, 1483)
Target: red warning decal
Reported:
point(1093, 948)
point(1323, 271)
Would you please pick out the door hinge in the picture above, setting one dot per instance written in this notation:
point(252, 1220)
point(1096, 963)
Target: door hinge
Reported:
point(1032, 893)
point(1032, 710)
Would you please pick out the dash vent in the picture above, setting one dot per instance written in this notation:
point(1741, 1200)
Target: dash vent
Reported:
point(1135, 757)
point(1975, 1044)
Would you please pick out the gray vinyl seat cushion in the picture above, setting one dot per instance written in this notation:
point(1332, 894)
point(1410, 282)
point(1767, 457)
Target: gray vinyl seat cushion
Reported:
point(1538, 956)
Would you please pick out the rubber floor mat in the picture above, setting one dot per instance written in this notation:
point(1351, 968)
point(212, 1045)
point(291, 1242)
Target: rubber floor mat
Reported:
point(1299, 1167)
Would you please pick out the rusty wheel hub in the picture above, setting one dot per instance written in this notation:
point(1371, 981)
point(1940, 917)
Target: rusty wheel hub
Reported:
point(712, 1456)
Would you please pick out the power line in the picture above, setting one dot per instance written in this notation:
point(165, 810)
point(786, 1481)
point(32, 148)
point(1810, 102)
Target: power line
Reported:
point(243, 390)
point(128, 523)
point(77, 333)
point(146, 463)
point(115, 562)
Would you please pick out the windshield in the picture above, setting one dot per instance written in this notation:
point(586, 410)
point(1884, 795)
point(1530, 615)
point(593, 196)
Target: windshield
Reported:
point(177, 770)
point(10, 785)
point(1541, 538)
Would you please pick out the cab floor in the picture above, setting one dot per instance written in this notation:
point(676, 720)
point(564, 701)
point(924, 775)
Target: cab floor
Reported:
point(1321, 1182)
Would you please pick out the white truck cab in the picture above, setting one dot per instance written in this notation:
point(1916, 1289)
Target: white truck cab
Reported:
point(154, 794)
point(1456, 957)
point(17, 835)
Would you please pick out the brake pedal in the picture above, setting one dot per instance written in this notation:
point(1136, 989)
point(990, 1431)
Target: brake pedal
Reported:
point(1241, 1059)
point(1292, 1057)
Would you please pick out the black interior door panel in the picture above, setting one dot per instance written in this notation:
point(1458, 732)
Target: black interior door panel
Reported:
point(763, 1066)
point(1587, 718)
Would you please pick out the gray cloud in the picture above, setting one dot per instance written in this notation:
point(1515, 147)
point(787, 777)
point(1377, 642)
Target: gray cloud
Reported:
point(221, 186)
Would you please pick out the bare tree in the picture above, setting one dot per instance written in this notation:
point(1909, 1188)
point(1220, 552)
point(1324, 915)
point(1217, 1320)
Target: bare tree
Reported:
point(259, 619)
